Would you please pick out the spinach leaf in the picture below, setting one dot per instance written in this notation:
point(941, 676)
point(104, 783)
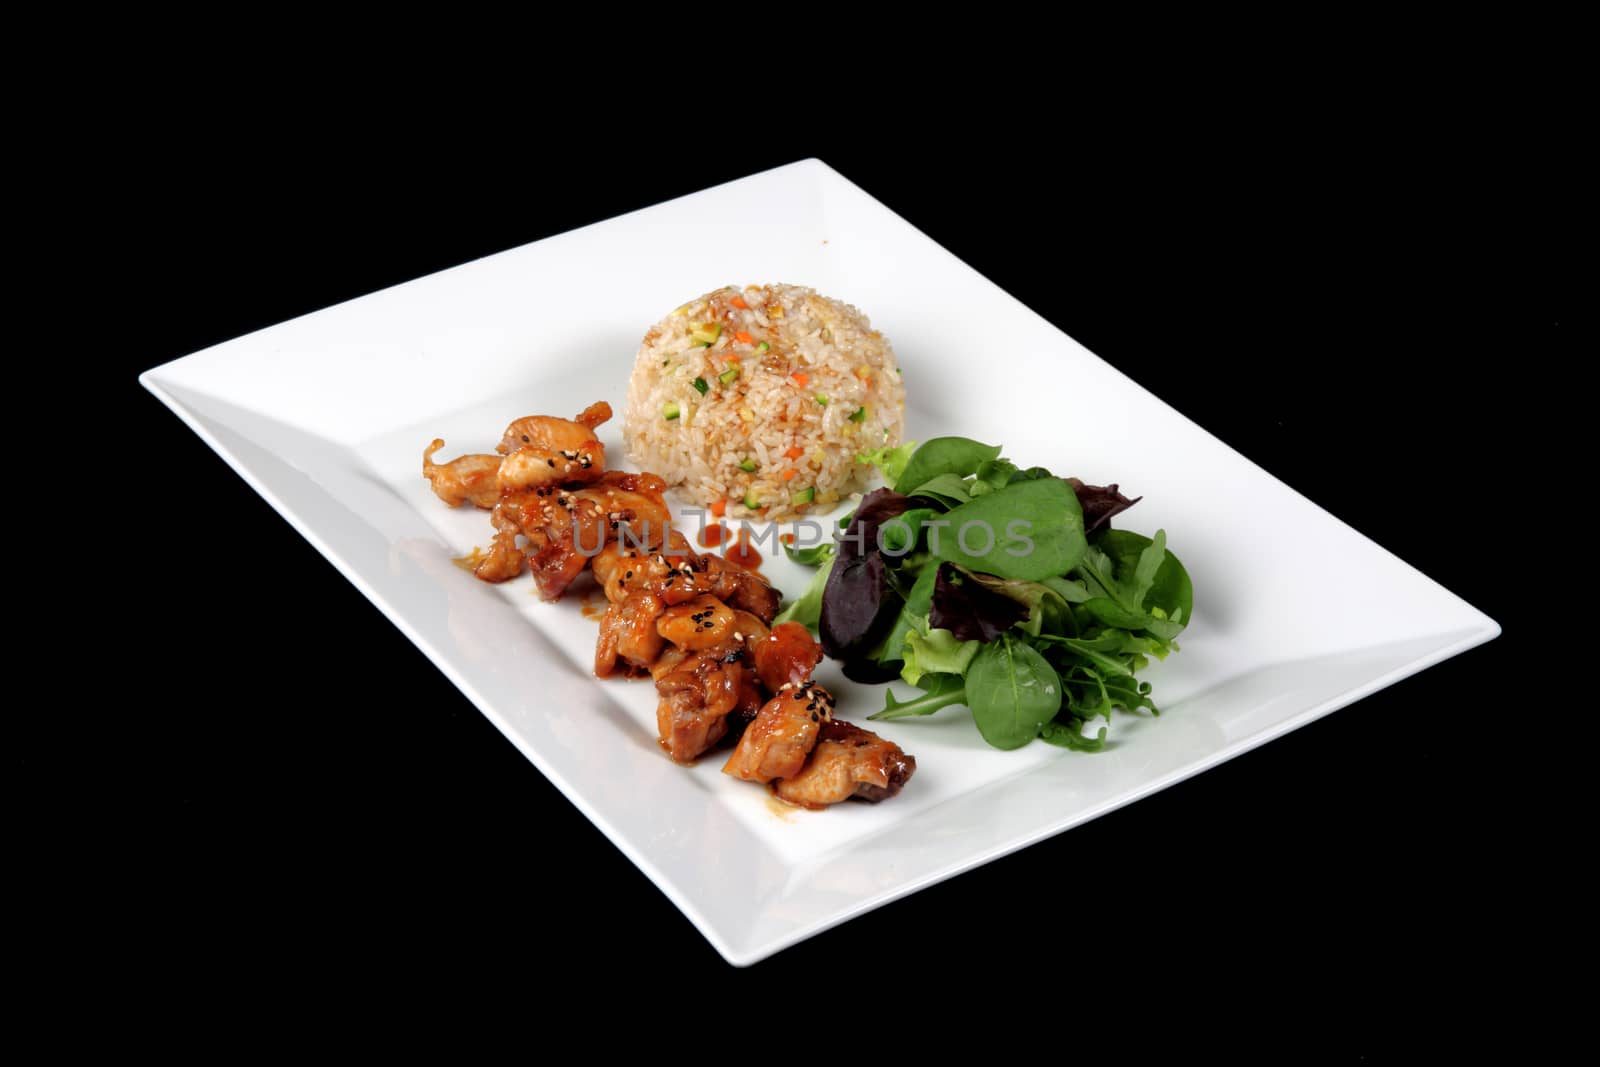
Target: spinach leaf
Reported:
point(899, 534)
point(1031, 530)
point(1012, 691)
point(950, 489)
point(944, 455)
point(995, 473)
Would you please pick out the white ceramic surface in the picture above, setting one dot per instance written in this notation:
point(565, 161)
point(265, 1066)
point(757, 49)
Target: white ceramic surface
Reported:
point(327, 415)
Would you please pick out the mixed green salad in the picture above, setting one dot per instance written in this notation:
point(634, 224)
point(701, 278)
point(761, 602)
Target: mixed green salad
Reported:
point(997, 587)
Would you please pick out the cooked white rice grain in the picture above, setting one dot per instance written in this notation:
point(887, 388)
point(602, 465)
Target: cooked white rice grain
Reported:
point(795, 385)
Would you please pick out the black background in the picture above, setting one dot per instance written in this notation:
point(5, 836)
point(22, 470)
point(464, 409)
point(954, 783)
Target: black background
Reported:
point(1351, 304)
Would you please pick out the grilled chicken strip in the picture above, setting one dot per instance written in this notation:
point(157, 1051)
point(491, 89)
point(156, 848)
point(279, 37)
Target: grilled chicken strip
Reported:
point(777, 743)
point(848, 762)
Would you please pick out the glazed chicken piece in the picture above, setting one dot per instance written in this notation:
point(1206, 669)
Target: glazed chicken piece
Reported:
point(534, 429)
point(542, 450)
point(581, 523)
point(644, 482)
point(697, 625)
point(565, 528)
point(740, 588)
point(680, 576)
point(848, 762)
point(698, 692)
point(777, 743)
point(786, 654)
point(474, 477)
point(628, 632)
point(505, 558)
point(621, 568)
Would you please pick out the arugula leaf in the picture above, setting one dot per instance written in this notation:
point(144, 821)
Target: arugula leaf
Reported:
point(1170, 588)
point(1012, 691)
point(1085, 693)
point(1089, 693)
point(891, 462)
point(1070, 735)
point(944, 455)
point(1067, 589)
point(1124, 572)
point(940, 691)
point(1129, 695)
point(1102, 651)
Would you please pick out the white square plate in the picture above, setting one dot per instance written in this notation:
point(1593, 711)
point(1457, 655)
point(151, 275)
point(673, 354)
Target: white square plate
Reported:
point(326, 417)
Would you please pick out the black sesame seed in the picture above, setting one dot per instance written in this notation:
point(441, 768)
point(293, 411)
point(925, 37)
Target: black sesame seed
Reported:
point(800, 694)
point(524, 438)
point(813, 716)
point(550, 463)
